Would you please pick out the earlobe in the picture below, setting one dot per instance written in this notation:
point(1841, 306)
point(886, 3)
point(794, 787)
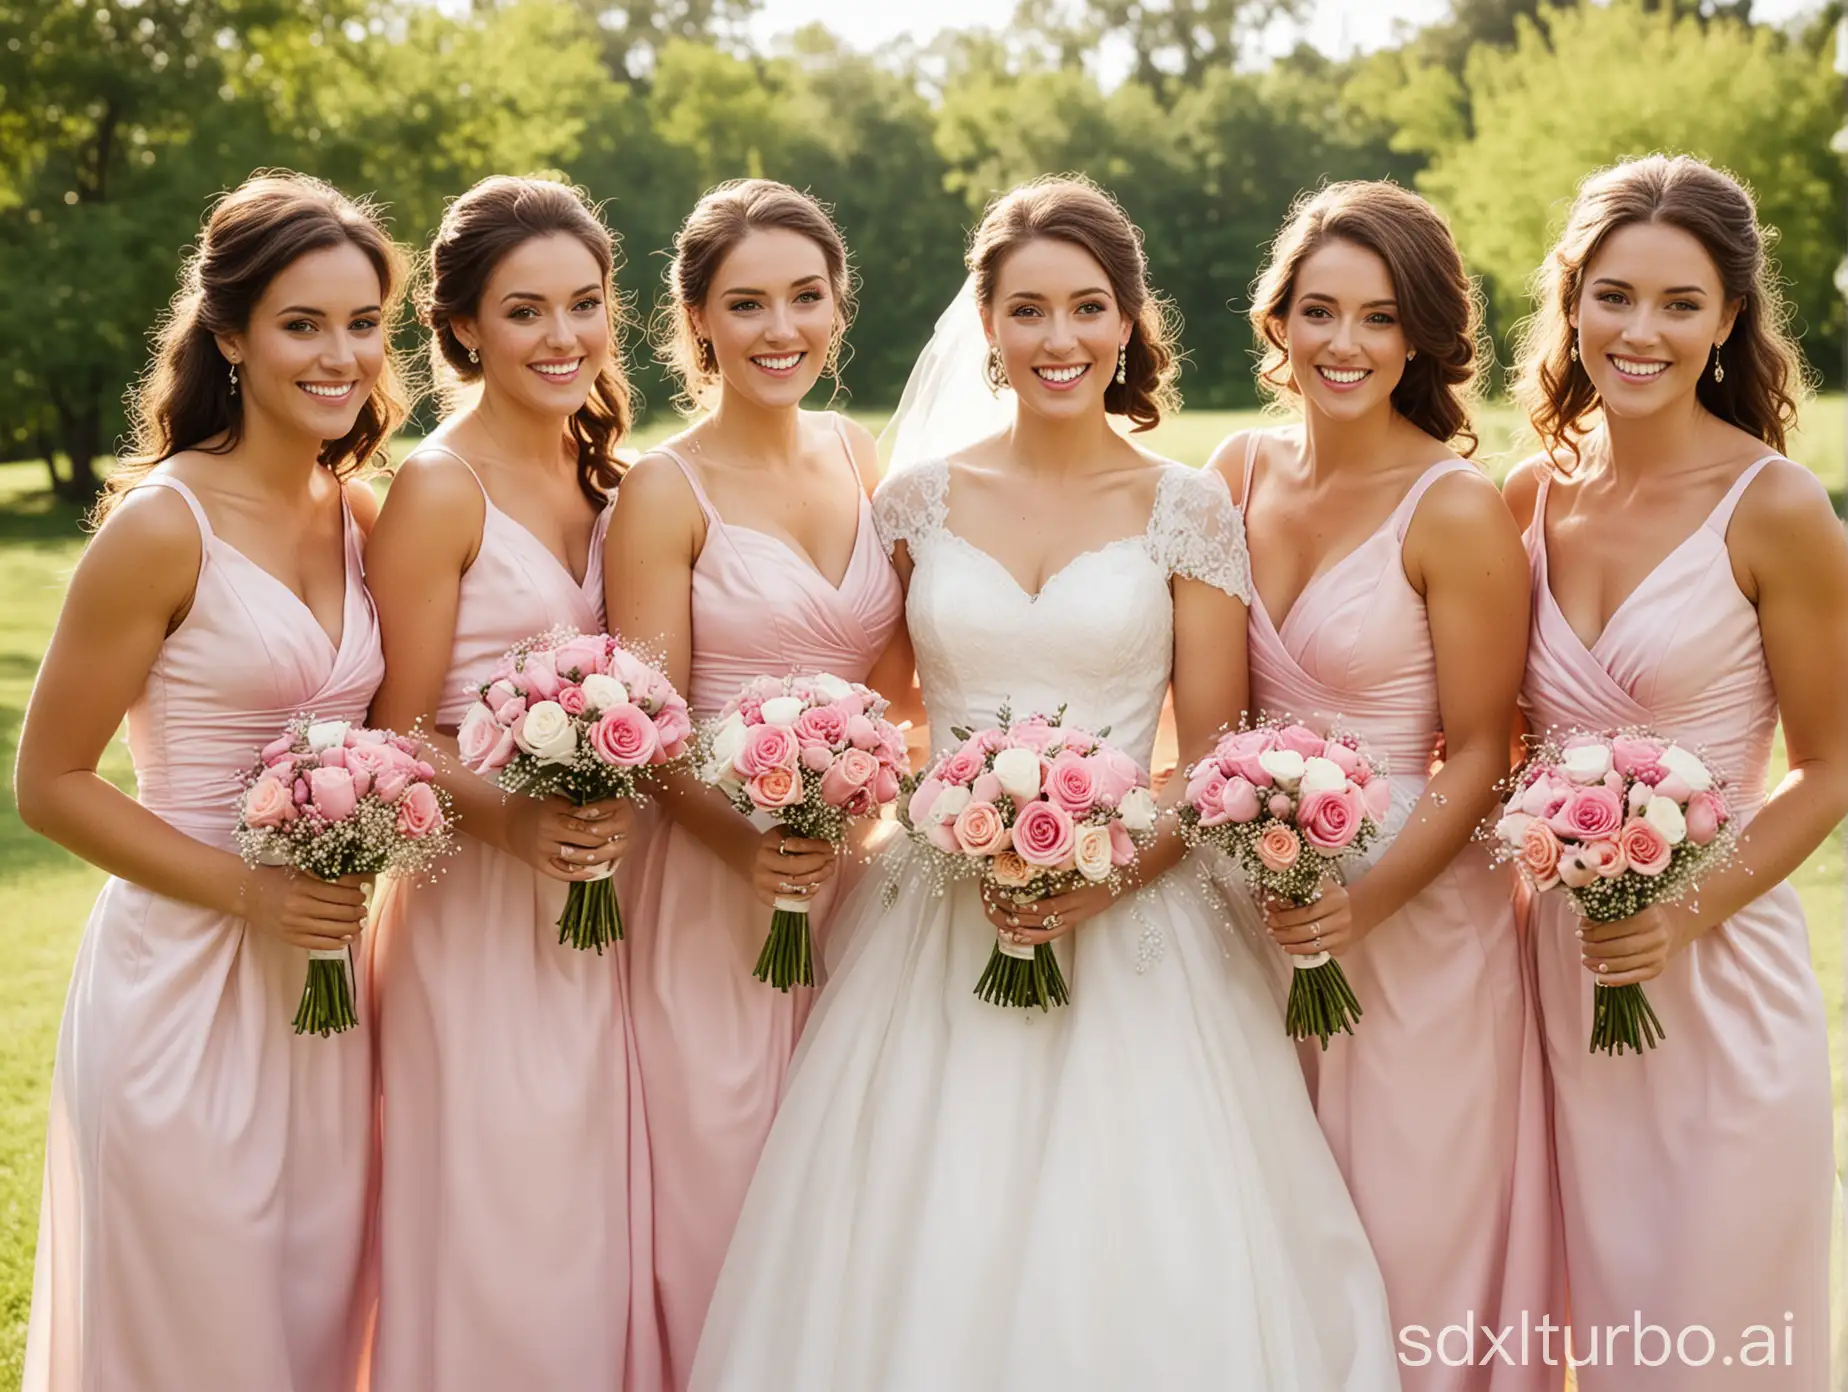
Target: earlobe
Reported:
point(229, 347)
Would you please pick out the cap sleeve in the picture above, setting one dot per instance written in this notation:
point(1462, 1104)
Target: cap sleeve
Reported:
point(912, 504)
point(1197, 531)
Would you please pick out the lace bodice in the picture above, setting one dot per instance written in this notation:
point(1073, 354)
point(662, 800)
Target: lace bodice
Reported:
point(1098, 637)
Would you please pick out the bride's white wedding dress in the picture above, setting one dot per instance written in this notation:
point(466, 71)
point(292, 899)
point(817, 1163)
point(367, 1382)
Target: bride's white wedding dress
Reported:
point(1130, 1192)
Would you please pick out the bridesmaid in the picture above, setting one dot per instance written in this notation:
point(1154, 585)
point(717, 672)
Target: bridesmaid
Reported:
point(744, 546)
point(510, 1166)
point(1688, 577)
point(208, 1172)
point(1391, 600)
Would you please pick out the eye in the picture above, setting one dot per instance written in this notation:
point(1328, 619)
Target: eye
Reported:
point(364, 324)
point(299, 326)
point(808, 297)
point(1611, 297)
point(1315, 312)
point(522, 312)
point(1380, 316)
point(1022, 311)
point(1092, 307)
point(1687, 306)
point(589, 302)
point(743, 306)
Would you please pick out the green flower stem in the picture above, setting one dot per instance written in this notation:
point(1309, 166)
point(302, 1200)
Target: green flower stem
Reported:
point(1622, 1018)
point(1321, 1003)
point(592, 918)
point(1023, 981)
point(327, 997)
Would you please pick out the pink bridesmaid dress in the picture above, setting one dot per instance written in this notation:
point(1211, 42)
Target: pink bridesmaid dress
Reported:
point(713, 1041)
point(1435, 1106)
point(1696, 1178)
point(208, 1172)
point(514, 1191)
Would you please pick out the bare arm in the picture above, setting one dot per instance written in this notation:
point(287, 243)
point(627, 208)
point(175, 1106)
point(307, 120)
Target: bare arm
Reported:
point(133, 587)
point(1786, 540)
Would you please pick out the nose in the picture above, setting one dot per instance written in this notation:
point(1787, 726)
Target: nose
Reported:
point(558, 330)
point(1342, 341)
point(780, 326)
point(1061, 338)
point(337, 355)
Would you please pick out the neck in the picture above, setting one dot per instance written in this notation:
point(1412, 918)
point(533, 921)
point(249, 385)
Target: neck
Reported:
point(274, 457)
point(749, 431)
point(1658, 444)
point(521, 433)
point(1336, 448)
point(1054, 447)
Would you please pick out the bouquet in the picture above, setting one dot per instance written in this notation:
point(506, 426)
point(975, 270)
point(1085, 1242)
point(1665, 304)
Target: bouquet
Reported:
point(1036, 808)
point(332, 799)
point(812, 753)
point(1289, 806)
point(581, 716)
point(1620, 821)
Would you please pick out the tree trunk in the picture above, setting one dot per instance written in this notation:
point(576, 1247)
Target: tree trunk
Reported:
point(80, 432)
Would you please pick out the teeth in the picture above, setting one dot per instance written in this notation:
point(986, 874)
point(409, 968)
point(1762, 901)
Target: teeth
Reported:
point(558, 369)
point(1343, 376)
point(1062, 374)
point(779, 364)
point(316, 389)
point(1636, 367)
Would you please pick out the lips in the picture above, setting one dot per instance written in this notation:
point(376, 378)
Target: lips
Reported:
point(333, 392)
point(1637, 369)
point(1342, 378)
point(778, 364)
point(557, 370)
point(1062, 377)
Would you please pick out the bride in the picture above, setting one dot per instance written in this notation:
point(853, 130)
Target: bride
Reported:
point(1131, 1190)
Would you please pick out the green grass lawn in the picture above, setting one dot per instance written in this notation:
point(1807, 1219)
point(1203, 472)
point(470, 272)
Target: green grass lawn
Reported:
point(45, 894)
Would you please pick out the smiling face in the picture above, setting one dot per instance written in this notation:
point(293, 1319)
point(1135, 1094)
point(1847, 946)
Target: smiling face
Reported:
point(1343, 333)
point(1058, 325)
point(1650, 308)
point(314, 347)
point(771, 316)
point(543, 328)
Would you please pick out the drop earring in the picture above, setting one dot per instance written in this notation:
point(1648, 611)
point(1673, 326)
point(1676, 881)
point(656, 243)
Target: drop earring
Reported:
point(1572, 352)
point(1122, 372)
point(234, 377)
point(1719, 373)
point(474, 356)
point(994, 370)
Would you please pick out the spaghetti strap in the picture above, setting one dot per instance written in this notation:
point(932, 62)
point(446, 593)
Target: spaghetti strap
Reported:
point(1408, 505)
point(1721, 516)
point(853, 466)
point(191, 500)
point(1251, 468)
point(444, 449)
point(692, 477)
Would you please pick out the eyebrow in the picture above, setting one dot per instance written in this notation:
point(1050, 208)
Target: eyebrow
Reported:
point(1076, 294)
point(1672, 290)
point(1367, 304)
point(793, 285)
point(320, 313)
point(529, 295)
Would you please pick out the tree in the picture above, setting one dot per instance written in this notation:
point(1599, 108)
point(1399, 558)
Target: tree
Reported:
point(1174, 44)
point(636, 31)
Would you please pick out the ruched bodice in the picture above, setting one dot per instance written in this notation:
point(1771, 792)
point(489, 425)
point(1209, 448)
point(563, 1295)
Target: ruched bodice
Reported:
point(1682, 654)
point(1355, 648)
point(759, 609)
point(248, 656)
point(515, 589)
point(1099, 635)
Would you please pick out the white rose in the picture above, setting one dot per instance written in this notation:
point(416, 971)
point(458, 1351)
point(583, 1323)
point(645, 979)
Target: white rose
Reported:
point(1687, 767)
point(949, 804)
point(1019, 772)
point(1091, 852)
point(1588, 763)
point(1639, 796)
point(601, 692)
point(832, 686)
point(728, 739)
point(327, 734)
point(1511, 830)
point(548, 734)
point(1666, 817)
point(1322, 775)
point(784, 710)
point(1137, 809)
point(1284, 765)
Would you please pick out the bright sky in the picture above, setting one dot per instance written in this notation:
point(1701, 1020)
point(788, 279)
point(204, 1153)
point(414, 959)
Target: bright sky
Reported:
point(1334, 26)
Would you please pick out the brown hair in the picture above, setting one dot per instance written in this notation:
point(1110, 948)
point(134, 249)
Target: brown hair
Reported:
point(723, 217)
point(479, 230)
point(251, 235)
point(1764, 369)
point(1439, 310)
point(1070, 208)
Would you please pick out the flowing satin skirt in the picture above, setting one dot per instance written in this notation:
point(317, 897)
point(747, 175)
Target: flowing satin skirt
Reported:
point(515, 1179)
point(1130, 1191)
point(208, 1173)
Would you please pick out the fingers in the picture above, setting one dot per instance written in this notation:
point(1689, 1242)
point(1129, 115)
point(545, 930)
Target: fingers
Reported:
point(314, 942)
point(575, 831)
point(573, 870)
point(797, 866)
point(1628, 978)
point(1280, 915)
point(1611, 967)
point(791, 846)
point(338, 894)
point(1631, 944)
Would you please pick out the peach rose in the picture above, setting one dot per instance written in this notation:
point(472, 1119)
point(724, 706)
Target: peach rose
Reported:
point(1278, 848)
point(269, 803)
point(1540, 854)
point(1645, 847)
point(1010, 871)
point(1091, 852)
point(980, 830)
point(775, 787)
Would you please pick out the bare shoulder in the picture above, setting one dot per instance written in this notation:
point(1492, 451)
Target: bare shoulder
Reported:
point(1786, 503)
point(656, 509)
point(438, 486)
point(362, 502)
point(147, 553)
point(864, 448)
point(1230, 457)
point(1521, 488)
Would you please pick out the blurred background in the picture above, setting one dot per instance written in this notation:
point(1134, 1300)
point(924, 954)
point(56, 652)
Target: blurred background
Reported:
point(120, 119)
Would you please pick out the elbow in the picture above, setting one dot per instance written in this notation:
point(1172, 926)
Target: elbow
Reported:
point(32, 796)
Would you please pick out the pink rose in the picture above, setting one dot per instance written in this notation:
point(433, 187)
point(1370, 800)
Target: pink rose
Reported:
point(1330, 820)
point(332, 792)
point(1646, 849)
point(942, 835)
point(477, 734)
point(816, 757)
point(1281, 807)
point(539, 675)
point(1238, 800)
point(1343, 756)
point(1604, 858)
point(923, 798)
point(673, 726)
point(624, 735)
point(1043, 834)
point(828, 724)
point(766, 747)
point(1302, 740)
point(986, 788)
point(1205, 795)
point(1070, 783)
point(962, 767)
point(1278, 848)
point(1376, 799)
point(980, 830)
point(277, 748)
point(848, 774)
point(571, 700)
point(373, 761)
point(860, 803)
point(862, 733)
point(269, 803)
point(775, 787)
point(576, 658)
point(1116, 773)
point(1540, 854)
point(1239, 754)
point(392, 783)
point(1674, 787)
point(1706, 811)
point(1574, 873)
point(300, 792)
point(420, 813)
point(336, 757)
point(1631, 755)
point(885, 786)
point(1590, 814)
point(1545, 796)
